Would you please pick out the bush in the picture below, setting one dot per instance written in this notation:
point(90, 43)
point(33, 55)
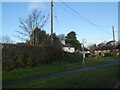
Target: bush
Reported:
point(87, 55)
point(107, 55)
point(19, 56)
point(72, 56)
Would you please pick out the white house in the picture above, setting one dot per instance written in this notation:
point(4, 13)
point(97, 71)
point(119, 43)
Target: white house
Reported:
point(67, 47)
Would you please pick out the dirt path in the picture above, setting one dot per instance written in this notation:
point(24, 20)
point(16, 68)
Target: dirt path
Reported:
point(5, 84)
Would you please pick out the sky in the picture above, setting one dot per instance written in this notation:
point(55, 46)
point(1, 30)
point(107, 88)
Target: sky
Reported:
point(103, 14)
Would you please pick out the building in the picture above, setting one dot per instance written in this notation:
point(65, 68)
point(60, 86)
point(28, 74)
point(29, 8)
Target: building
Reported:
point(108, 50)
point(86, 51)
point(118, 46)
point(118, 50)
point(67, 47)
point(103, 50)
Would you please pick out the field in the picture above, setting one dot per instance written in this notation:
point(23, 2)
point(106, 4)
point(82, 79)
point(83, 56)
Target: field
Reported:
point(103, 77)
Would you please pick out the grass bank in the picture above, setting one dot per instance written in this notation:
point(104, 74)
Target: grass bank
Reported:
point(98, 78)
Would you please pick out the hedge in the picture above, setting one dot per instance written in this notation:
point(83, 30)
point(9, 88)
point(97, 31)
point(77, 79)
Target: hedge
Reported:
point(19, 56)
point(72, 56)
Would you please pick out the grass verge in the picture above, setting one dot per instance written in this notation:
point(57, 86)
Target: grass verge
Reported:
point(98, 78)
point(54, 67)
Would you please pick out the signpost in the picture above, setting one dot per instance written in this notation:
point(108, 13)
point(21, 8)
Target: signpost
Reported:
point(83, 52)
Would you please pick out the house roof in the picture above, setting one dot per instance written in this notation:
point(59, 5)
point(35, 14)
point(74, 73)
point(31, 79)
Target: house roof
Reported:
point(118, 47)
point(106, 47)
point(85, 49)
point(67, 45)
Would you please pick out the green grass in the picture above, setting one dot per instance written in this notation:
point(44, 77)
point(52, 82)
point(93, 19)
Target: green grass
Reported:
point(54, 67)
point(98, 78)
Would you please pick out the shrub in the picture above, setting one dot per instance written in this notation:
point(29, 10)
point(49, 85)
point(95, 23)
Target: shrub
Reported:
point(19, 56)
point(87, 55)
point(72, 56)
point(107, 55)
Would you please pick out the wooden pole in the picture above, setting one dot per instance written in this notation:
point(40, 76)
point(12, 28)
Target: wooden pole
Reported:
point(113, 35)
point(51, 10)
point(114, 51)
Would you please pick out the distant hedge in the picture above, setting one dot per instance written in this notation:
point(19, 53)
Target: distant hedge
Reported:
point(19, 56)
point(72, 56)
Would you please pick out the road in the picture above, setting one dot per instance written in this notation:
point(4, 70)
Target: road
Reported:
point(5, 84)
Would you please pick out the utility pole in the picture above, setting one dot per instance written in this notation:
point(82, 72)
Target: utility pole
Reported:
point(51, 10)
point(114, 52)
point(113, 35)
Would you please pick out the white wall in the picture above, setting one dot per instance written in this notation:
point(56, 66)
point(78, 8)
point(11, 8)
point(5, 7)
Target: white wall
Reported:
point(69, 49)
point(63, 42)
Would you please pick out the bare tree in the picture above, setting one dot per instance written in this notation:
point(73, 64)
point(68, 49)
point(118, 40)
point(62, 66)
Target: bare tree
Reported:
point(61, 37)
point(35, 20)
point(5, 39)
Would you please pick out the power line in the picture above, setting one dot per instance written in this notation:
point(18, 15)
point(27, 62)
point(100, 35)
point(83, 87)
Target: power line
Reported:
point(56, 19)
point(56, 4)
point(68, 11)
point(85, 18)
